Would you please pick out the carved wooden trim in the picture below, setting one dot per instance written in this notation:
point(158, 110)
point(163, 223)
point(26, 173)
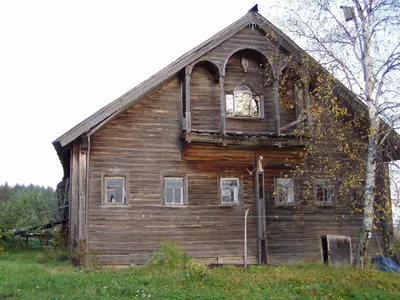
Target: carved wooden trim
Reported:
point(248, 141)
point(245, 63)
point(187, 95)
point(222, 103)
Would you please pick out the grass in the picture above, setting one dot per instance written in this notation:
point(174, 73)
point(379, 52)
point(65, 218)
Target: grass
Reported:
point(23, 277)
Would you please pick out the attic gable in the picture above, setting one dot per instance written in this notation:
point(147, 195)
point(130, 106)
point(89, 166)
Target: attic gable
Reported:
point(151, 84)
point(252, 21)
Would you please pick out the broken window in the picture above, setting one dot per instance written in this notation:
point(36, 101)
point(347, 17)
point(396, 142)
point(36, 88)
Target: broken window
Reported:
point(323, 191)
point(243, 103)
point(229, 190)
point(173, 190)
point(284, 191)
point(115, 190)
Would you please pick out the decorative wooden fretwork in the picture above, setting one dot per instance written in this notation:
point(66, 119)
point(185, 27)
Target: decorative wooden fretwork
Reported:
point(245, 63)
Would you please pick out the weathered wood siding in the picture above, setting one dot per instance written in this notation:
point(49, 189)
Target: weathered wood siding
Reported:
point(205, 99)
point(144, 142)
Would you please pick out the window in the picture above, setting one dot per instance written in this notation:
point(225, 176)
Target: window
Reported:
point(229, 190)
point(323, 191)
point(114, 190)
point(173, 190)
point(243, 103)
point(284, 191)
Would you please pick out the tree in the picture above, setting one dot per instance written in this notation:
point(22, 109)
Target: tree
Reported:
point(359, 43)
point(22, 208)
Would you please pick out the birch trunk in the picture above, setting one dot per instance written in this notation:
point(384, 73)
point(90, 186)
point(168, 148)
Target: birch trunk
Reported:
point(369, 189)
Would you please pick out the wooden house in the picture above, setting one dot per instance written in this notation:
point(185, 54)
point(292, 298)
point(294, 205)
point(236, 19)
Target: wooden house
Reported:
point(181, 156)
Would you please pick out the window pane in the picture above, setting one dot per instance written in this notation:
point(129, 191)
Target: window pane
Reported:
point(285, 190)
point(229, 104)
point(110, 195)
point(119, 195)
point(115, 190)
point(173, 190)
point(169, 195)
point(173, 182)
point(177, 195)
point(323, 190)
point(229, 190)
point(230, 182)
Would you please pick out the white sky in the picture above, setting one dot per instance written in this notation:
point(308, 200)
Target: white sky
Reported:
point(61, 61)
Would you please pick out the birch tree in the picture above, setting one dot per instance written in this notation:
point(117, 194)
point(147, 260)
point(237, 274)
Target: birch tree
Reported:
point(358, 41)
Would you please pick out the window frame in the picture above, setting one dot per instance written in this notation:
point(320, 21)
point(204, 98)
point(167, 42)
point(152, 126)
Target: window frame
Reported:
point(183, 190)
point(294, 192)
point(252, 95)
point(104, 192)
point(318, 181)
point(240, 189)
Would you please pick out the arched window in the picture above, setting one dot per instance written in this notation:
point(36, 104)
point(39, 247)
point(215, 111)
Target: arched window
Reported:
point(243, 103)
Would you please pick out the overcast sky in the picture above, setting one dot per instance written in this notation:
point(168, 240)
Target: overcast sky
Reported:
point(61, 61)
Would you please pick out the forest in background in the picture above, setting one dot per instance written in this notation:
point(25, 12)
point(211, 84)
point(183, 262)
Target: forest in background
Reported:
point(25, 207)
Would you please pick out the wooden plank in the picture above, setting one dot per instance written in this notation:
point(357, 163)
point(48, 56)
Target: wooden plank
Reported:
point(82, 192)
point(74, 198)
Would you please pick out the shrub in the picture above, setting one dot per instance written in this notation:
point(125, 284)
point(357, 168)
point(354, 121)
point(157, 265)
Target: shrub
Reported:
point(11, 242)
point(60, 238)
point(170, 256)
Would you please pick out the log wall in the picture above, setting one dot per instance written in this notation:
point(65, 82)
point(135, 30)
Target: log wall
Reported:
point(143, 143)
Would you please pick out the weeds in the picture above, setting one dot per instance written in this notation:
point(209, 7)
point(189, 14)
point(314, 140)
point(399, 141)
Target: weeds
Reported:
point(50, 253)
point(22, 277)
point(171, 257)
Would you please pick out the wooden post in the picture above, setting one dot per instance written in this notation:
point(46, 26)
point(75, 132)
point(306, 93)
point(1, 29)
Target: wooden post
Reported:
point(187, 96)
point(259, 199)
point(276, 107)
point(74, 198)
point(246, 211)
point(222, 103)
point(82, 188)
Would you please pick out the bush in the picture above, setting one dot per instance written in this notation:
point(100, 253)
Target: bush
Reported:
point(11, 242)
point(169, 256)
point(60, 238)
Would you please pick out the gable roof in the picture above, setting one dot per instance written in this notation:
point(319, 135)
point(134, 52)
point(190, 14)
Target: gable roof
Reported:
point(252, 17)
point(158, 79)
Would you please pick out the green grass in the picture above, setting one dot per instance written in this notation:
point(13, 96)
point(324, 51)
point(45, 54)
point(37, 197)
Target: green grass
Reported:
point(23, 277)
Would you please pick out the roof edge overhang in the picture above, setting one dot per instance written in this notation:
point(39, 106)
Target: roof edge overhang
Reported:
point(146, 87)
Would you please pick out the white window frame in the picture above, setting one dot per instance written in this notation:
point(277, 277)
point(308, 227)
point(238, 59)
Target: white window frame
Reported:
point(288, 189)
point(125, 194)
point(182, 190)
point(238, 191)
point(325, 184)
point(246, 88)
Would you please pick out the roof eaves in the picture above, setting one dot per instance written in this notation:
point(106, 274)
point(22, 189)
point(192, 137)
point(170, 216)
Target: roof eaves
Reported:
point(135, 94)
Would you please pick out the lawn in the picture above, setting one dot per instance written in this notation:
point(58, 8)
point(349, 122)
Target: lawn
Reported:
point(26, 275)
